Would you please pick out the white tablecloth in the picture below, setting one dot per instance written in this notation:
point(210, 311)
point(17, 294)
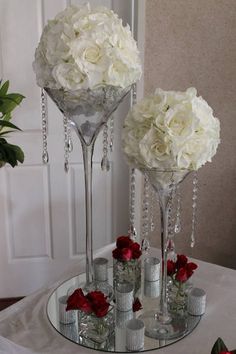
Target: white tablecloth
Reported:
point(24, 327)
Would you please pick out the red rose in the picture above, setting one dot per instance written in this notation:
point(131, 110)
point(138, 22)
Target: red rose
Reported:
point(98, 302)
point(102, 309)
point(116, 253)
point(126, 254)
point(182, 275)
point(182, 260)
point(77, 301)
point(96, 297)
point(136, 252)
point(124, 242)
point(225, 353)
point(170, 267)
point(137, 305)
point(190, 267)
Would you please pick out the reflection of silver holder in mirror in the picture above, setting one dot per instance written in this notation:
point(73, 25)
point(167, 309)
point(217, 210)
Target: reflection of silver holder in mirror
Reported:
point(117, 341)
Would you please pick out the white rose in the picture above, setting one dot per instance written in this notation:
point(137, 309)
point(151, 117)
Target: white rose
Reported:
point(174, 130)
point(69, 77)
point(155, 149)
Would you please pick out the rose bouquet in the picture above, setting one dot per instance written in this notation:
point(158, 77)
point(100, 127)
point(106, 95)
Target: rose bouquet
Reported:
point(94, 318)
point(171, 131)
point(126, 249)
point(95, 302)
point(126, 265)
point(84, 48)
point(179, 273)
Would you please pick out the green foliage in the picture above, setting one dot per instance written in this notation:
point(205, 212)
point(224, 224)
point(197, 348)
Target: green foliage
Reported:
point(9, 153)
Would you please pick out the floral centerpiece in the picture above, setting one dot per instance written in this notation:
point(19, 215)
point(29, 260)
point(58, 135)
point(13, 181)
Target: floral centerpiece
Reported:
point(87, 61)
point(179, 273)
point(85, 48)
point(94, 317)
point(9, 153)
point(166, 135)
point(126, 264)
point(171, 131)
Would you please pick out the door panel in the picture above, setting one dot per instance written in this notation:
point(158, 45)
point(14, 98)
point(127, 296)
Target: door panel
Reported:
point(42, 209)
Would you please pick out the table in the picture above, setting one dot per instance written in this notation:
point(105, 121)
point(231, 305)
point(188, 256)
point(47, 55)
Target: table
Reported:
point(24, 327)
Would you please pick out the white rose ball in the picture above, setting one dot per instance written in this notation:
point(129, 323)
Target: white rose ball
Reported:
point(171, 130)
point(86, 47)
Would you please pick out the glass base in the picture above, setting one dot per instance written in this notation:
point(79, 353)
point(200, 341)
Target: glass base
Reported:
point(116, 341)
point(160, 328)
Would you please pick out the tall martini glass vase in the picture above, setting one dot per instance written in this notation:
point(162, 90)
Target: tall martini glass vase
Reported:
point(162, 324)
point(87, 112)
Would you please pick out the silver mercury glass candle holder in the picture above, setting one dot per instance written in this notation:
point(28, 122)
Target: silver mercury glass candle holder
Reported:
point(135, 335)
point(124, 295)
point(65, 317)
point(151, 269)
point(100, 267)
point(196, 302)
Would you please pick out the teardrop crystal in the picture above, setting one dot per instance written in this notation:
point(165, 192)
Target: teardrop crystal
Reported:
point(105, 164)
point(45, 157)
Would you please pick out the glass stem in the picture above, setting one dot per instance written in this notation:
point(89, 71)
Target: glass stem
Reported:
point(88, 163)
point(164, 198)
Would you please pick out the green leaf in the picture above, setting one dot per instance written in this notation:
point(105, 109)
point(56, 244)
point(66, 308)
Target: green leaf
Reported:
point(10, 153)
point(6, 117)
point(4, 88)
point(19, 153)
point(9, 102)
point(219, 346)
point(4, 123)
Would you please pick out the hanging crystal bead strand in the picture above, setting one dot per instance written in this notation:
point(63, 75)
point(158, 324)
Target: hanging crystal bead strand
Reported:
point(177, 227)
point(194, 209)
point(132, 231)
point(45, 157)
point(111, 145)
point(170, 241)
point(67, 143)
point(105, 163)
point(145, 245)
point(153, 198)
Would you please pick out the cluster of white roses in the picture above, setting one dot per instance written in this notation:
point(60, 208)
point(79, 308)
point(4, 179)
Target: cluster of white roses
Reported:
point(85, 48)
point(171, 130)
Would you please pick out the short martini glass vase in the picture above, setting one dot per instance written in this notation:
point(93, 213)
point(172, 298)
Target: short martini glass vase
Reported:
point(162, 324)
point(87, 111)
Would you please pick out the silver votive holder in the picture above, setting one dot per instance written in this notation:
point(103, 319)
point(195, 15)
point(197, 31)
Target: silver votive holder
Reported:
point(135, 335)
point(151, 269)
point(124, 294)
point(196, 305)
point(100, 267)
point(122, 317)
point(65, 317)
point(152, 288)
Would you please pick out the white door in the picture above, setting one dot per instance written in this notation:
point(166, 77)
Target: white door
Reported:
point(42, 214)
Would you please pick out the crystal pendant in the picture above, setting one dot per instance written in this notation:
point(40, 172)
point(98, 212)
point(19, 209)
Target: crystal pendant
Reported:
point(145, 216)
point(132, 231)
point(177, 227)
point(194, 209)
point(45, 157)
point(105, 163)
